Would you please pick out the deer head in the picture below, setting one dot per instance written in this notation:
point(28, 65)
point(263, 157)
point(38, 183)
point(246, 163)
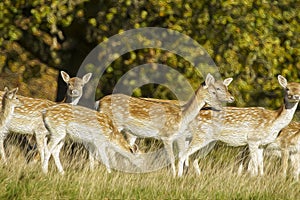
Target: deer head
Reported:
point(75, 86)
point(11, 98)
point(291, 91)
point(217, 92)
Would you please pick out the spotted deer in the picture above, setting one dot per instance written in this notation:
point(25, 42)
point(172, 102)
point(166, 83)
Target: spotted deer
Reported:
point(164, 121)
point(27, 118)
point(252, 126)
point(286, 146)
point(288, 142)
point(9, 102)
point(93, 129)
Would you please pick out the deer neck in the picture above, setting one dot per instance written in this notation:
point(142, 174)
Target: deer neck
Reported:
point(286, 113)
point(72, 101)
point(6, 112)
point(193, 106)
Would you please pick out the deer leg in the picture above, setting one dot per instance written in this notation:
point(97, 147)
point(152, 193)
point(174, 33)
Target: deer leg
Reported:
point(203, 153)
point(295, 162)
point(92, 161)
point(260, 159)
point(40, 133)
point(168, 144)
point(2, 150)
point(196, 166)
point(55, 155)
point(186, 146)
point(253, 164)
point(284, 160)
point(103, 155)
point(54, 141)
point(194, 146)
point(41, 141)
point(182, 146)
point(192, 149)
point(242, 159)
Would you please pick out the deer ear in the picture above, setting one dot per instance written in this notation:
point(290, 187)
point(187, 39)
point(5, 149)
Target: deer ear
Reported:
point(282, 81)
point(86, 77)
point(65, 76)
point(134, 148)
point(209, 79)
point(15, 90)
point(6, 89)
point(227, 81)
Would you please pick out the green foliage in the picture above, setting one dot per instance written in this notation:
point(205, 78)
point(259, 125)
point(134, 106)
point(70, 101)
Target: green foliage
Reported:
point(251, 41)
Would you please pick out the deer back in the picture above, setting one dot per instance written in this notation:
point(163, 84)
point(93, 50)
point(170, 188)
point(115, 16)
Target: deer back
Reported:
point(289, 137)
point(84, 125)
point(237, 126)
point(28, 115)
point(138, 115)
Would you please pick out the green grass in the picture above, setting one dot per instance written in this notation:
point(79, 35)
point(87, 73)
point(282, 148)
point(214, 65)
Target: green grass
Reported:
point(19, 180)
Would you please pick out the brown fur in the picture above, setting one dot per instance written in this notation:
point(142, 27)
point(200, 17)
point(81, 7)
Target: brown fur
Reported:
point(95, 130)
point(255, 126)
point(162, 120)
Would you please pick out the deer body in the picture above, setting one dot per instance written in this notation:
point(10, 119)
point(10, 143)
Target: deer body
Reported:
point(252, 126)
point(160, 120)
point(9, 102)
point(27, 118)
point(95, 130)
point(287, 145)
point(245, 122)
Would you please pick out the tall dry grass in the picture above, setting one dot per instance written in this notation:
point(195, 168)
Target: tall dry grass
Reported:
point(21, 180)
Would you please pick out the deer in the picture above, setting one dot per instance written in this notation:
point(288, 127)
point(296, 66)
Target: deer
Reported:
point(9, 102)
point(286, 146)
point(74, 93)
point(288, 142)
point(93, 129)
point(27, 118)
point(255, 127)
point(75, 87)
point(163, 121)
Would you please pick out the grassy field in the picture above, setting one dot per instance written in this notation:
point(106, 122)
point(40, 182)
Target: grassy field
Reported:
point(19, 180)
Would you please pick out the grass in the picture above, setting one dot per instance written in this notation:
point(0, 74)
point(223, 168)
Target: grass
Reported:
point(21, 180)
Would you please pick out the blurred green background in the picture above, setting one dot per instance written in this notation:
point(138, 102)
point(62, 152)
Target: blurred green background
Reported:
point(251, 41)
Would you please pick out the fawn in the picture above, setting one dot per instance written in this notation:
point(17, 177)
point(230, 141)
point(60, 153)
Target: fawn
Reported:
point(9, 102)
point(252, 126)
point(288, 142)
point(27, 118)
point(93, 129)
point(286, 146)
point(163, 121)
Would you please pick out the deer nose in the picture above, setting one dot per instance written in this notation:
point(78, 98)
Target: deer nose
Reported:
point(74, 92)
